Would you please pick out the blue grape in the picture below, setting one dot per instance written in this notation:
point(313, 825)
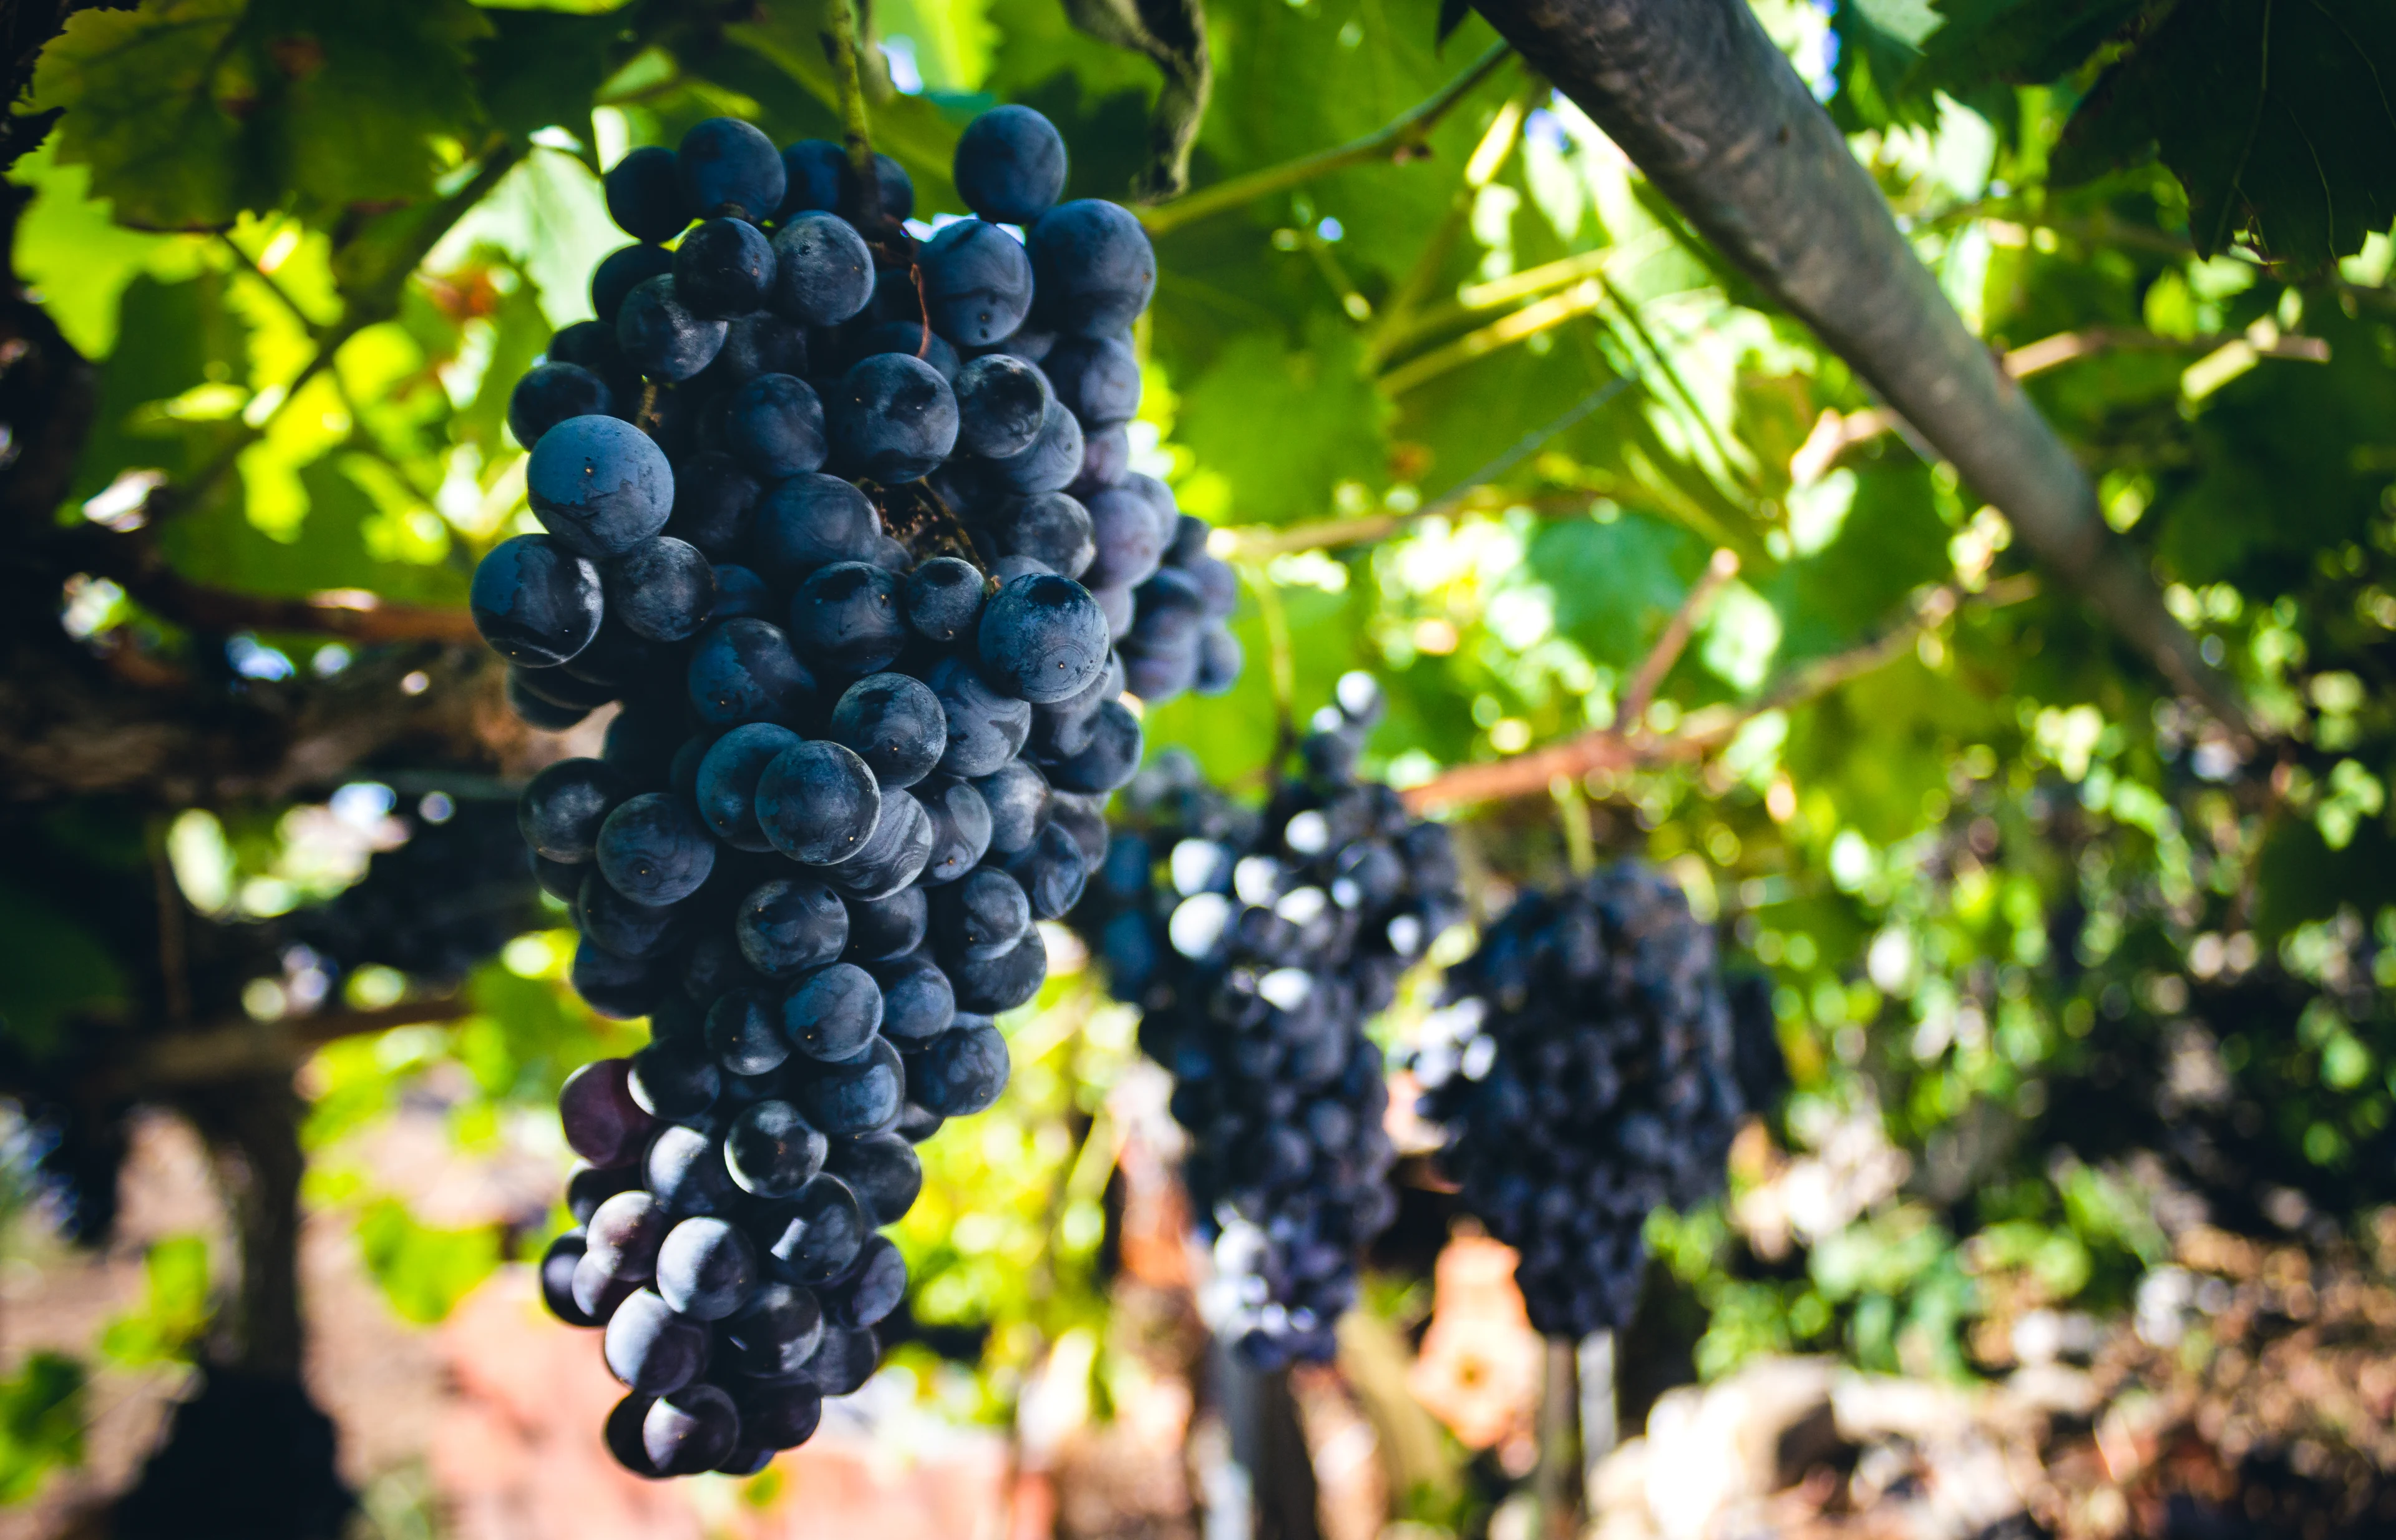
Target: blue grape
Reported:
point(894, 854)
point(810, 522)
point(1106, 460)
point(549, 394)
point(601, 1121)
point(777, 1331)
point(1094, 267)
point(893, 418)
point(662, 337)
point(818, 802)
point(942, 599)
point(1130, 542)
point(557, 1269)
point(845, 618)
point(652, 1349)
point(822, 1234)
point(683, 1168)
point(811, 170)
point(622, 1436)
point(740, 592)
point(1002, 402)
point(653, 850)
point(823, 273)
point(986, 729)
point(673, 1079)
point(886, 1176)
point(1218, 662)
point(1111, 758)
point(976, 282)
point(894, 723)
point(1010, 166)
point(1050, 528)
point(624, 1233)
point(875, 1284)
point(918, 1001)
point(962, 1072)
point(890, 178)
point(662, 589)
point(1042, 638)
point(535, 601)
point(1052, 463)
point(1172, 610)
point(885, 928)
point(831, 1014)
point(746, 1038)
point(1018, 800)
point(588, 1185)
point(979, 917)
point(599, 484)
point(643, 739)
point(1097, 377)
point(706, 1269)
point(621, 989)
point(960, 829)
point(727, 165)
point(562, 808)
point(619, 274)
point(624, 927)
point(726, 792)
point(789, 925)
point(690, 1430)
point(757, 343)
point(771, 1150)
point(859, 1098)
point(987, 986)
point(713, 502)
point(592, 345)
point(775, 426)
point(912, 339)
point(724, 269)
point(644, 196)
point(1052, 869)
point(743, 671)
point(1158, 671)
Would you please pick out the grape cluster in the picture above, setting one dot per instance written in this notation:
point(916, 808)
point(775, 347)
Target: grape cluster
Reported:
point(435, 906)
point(1256, 947)
point(1586, 1075)
point(804, 489)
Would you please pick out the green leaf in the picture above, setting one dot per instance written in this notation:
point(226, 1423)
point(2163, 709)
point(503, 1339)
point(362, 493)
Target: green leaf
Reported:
point(1615, 584)
point(42, 1420)
point(1282, 426)
point(2278, 117)
point(2019, 42)
point(422, 1270)
point(175, 1306)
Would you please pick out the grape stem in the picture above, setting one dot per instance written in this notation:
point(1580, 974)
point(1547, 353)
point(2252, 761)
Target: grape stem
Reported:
point(1405, 137)
point(844, 43)
point(1623, 747)
point(1720, 569)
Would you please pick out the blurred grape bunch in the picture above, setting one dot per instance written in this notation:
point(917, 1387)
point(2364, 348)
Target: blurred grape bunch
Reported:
point(1256, 962)
point(1588, 1074)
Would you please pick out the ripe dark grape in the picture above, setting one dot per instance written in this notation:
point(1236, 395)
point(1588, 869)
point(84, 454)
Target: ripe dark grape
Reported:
point(1010, 166)
point(725, 165)
point(725, 268)
point(551, 392)
point(845, 702)
point(662, 335)
point(976, 282)
point(1588, 1077)
point(599, 485)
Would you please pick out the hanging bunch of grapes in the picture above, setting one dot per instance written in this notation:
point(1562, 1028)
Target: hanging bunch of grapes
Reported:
point(1588, 1076)
point(847, 524)
point(1256, 946)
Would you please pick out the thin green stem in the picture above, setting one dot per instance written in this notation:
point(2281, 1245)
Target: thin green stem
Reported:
point(844, 45)
point(1402, 138)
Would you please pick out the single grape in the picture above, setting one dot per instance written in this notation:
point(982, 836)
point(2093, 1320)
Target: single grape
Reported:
point(1050, 528)
point(960, 829)
point(1106, 461)
point(1097, 377)
point(1042, 638)
point(894, 854)
point(822, 1234)
point(884, 1172)
point(624, 1234)
point(663, 337)
point(1010, 165)
point(675, 1079)
point(811, 170)
point(693, 1429)
point(810, 522)
point(1093, 265)
point(645, 198)
point(743, 671)
point(915, 338)
point(723, 269)
point(832, 1014)
point(775, 426)
point(557, 1265)
point(776, 1332)
point(662, 589)
point(1052, 463)
point(652, 1349)
point(987, 986)
point(845, 620)
point(823, 273)
point(739, 591)
point(653, 849)
point(789, 925)
point(875, 1284)
point(1001, 401)
point(893, 418)
point(549, 394)
point(618, 988)
point(781, 1416)
point(1017, 799)
point(941, 599)
point(599, 485)
point(979, 917)
point(771, 1150)
point(918, 1001)
point(861, 1097)
point(727, 167)
point(757, 343)
point(603, 1123)
point(624, 927)
point(962, 1072)
point(562, 806)
point(976, 282)
point(1130, 545)
point(1051, 869)
point(818, 802)
point(745, 1035)
point(885, 928)
point(894, 723)
point(986, 729)
point(535, 601)
point(706, 1269)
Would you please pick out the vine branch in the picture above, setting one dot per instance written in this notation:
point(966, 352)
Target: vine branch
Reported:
point(1404, 139)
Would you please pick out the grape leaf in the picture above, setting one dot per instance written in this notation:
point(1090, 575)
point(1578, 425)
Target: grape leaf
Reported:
point(2279, 118)
point(1284, 425)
